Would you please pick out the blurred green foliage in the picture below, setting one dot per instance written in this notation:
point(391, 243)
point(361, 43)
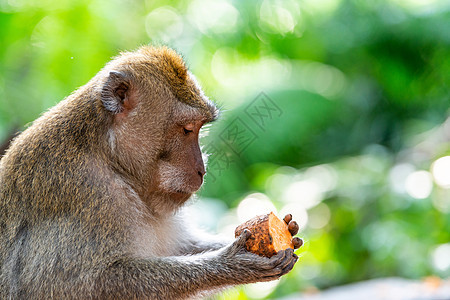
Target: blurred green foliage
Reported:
point(333, 109)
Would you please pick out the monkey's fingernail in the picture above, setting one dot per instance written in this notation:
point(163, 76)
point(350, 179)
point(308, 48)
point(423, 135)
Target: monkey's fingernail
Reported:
point(288, 218)
point(247, 233)
point(293, 226)
point(298, 242)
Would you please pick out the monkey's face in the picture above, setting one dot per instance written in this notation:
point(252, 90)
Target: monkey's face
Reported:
point(167, 153)
point(180, 168)
point(157, 120)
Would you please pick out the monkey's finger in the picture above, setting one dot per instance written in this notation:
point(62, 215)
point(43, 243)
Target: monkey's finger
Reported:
point(287, 218)
point(242, 239)
point(286, 264)
point(293, 227)
point(278, 258)
point(290, 266)
point(297, 242)
point(289, 254)
point(280, 261)
point(239, 244)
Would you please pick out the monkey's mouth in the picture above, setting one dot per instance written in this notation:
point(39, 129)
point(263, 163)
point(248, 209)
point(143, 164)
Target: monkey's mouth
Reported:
point(178, 192)
point(179, 196)
point(182, 192)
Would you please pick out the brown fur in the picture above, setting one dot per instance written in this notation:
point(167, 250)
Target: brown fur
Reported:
point(90, 193)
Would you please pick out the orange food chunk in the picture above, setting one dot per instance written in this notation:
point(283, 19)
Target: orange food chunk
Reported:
point(269, 235)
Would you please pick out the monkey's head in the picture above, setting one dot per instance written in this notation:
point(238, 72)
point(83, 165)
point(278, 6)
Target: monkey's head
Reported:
point(157, 110)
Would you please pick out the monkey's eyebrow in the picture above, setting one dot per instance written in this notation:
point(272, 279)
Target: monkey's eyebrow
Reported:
point(209, 120)
point(213, 116)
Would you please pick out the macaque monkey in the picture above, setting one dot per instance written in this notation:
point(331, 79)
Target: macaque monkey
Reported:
point(90, 193)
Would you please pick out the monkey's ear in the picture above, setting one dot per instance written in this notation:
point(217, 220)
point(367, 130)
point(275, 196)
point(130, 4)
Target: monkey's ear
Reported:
point(116, 92)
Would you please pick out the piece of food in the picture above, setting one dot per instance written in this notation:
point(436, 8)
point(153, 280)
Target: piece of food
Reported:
point(269, 235)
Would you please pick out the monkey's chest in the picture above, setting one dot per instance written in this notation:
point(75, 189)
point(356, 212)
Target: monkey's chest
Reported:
point(154, 241)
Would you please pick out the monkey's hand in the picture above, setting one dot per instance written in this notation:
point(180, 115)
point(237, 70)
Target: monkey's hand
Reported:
point(246, 267)
point(293, 229)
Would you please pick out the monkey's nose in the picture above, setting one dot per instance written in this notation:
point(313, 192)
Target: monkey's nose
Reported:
point(201, 170)
point(201, 173)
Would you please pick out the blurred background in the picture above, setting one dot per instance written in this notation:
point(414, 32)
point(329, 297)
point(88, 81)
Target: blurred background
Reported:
point(333, 110)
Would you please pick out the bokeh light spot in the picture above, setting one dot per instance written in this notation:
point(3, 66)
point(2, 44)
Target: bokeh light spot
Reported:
point(441, 257)
point(164, 24)
point(306, 193)
point(441, 171)
point(261, 289)
point(253, 205)
point(213, 16)
point(398, 175)
point(276, 18)
point(319, 216)
point(419, 184)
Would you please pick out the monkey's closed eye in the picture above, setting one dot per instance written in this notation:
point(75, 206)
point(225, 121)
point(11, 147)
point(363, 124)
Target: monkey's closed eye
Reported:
point(187, 131)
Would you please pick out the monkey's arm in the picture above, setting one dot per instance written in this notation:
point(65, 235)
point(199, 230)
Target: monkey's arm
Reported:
point(184, 276)
point(194, 240)
point(199, 242)
point(161, 278)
